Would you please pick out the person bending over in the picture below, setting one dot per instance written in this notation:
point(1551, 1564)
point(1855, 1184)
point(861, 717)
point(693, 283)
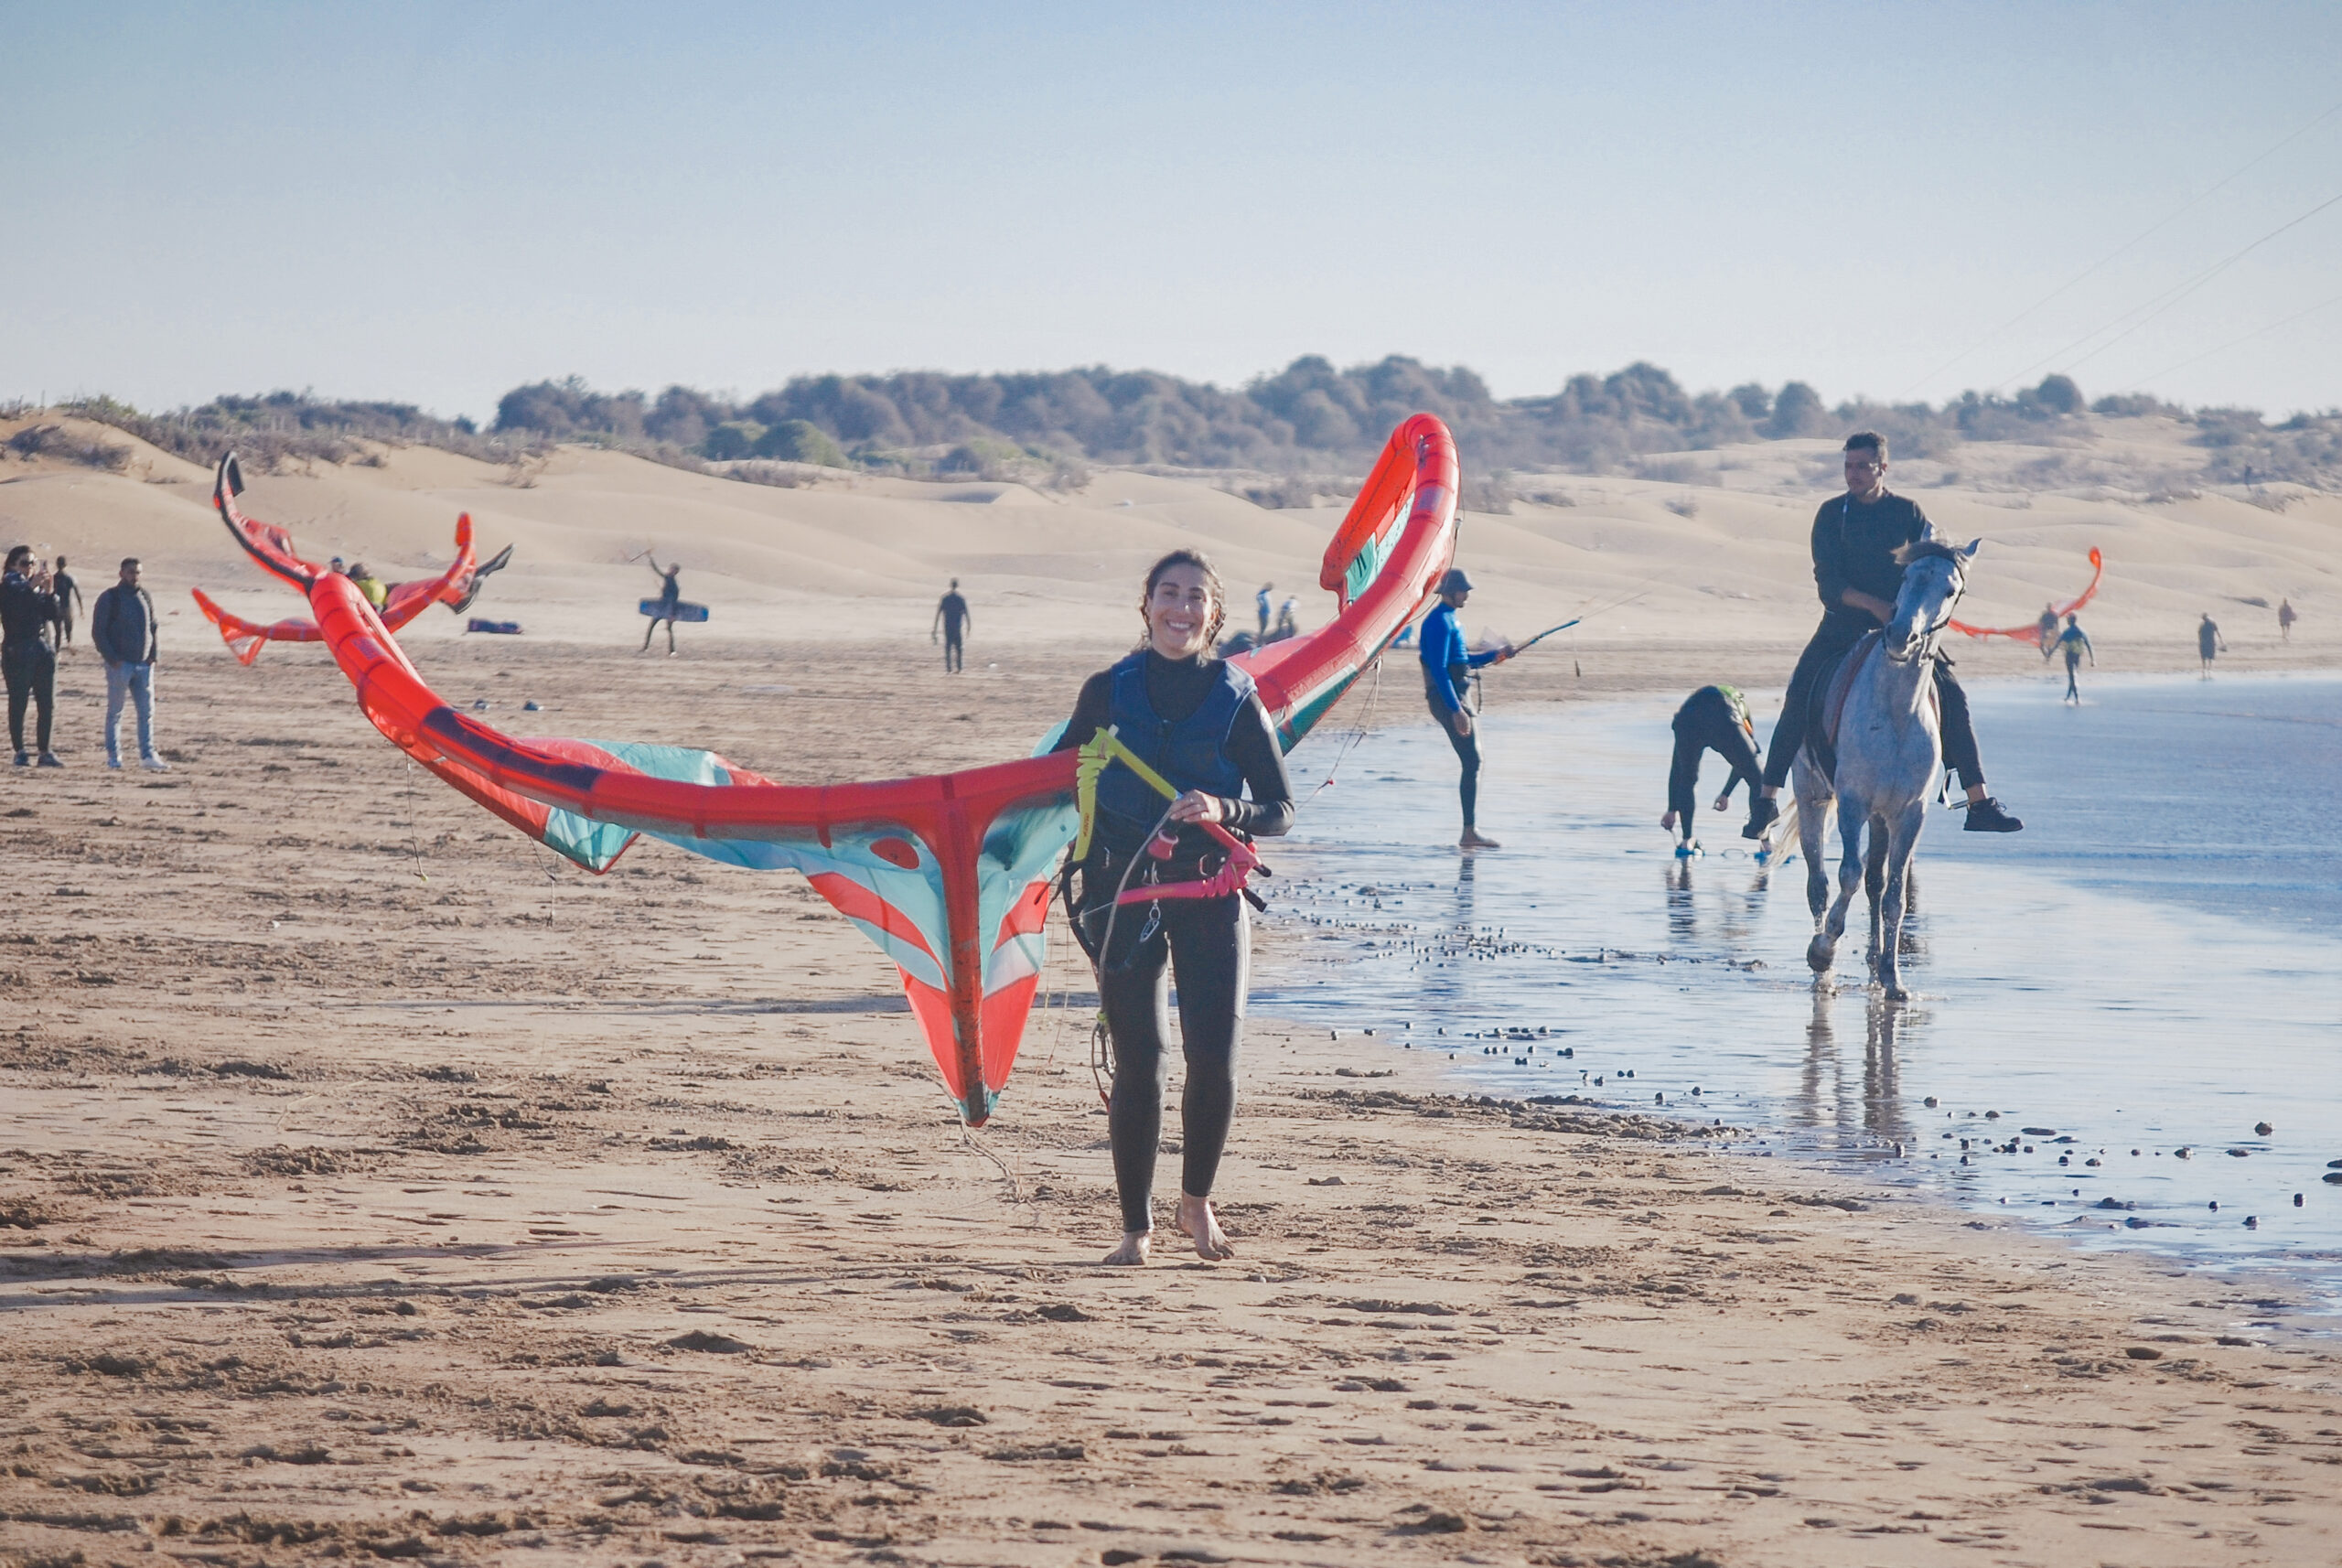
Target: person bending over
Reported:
point(27, 621)
point(1196, 721)
point(1714, 718)
point(1854, 539)
point(1447, 669)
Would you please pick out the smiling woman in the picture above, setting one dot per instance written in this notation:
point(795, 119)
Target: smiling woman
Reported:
point(1194, 721)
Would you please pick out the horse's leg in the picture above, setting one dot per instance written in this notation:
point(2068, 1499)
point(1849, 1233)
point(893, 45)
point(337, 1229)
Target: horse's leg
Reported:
point(1814, 797)
point(1852, 814)
point(1874, 887)
point(1903, 844)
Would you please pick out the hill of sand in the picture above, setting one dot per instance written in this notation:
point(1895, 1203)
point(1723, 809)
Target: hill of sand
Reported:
point(1704, 554)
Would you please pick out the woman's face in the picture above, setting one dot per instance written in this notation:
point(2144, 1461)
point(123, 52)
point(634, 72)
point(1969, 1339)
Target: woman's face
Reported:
point(1179, 613)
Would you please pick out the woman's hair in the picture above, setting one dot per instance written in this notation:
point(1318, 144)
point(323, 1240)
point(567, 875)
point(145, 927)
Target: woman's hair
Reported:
point(25, 553)
point(1211, 585)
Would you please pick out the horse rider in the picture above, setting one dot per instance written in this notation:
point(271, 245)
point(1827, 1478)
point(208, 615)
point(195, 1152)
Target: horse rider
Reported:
point(1854, 539)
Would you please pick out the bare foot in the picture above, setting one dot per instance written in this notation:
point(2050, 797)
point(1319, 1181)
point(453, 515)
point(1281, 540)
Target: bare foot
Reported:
point(1197, 1223)
point(1132, 1253)
point(1475, 839)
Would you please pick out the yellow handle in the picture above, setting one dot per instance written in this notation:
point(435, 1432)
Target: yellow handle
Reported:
point(1095, 754)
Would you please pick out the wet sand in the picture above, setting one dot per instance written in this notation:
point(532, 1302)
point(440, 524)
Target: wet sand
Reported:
point(377, 1186)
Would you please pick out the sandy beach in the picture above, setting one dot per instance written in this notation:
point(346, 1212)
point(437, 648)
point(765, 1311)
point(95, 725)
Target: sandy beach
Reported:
point(378, 1185)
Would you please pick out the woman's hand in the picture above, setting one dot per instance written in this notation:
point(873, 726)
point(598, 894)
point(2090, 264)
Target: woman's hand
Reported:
point(1195, 806)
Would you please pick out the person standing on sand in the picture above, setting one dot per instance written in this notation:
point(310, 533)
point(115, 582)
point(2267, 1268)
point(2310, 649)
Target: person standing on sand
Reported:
point(1447, 669)
point(1196, 720)
point(1261, 603)
point(952, 619)
point(123, 630)
point(27, 621)
point(2074, 642)
point(2285, 619)
point(69, 595)
point(2045, 632)
point(1714, 718)
point(1855, 537)
point(2209, 641)
point(668, 605)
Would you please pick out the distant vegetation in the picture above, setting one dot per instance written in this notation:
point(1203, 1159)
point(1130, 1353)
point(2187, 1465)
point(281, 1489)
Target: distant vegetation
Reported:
point(1309, 419)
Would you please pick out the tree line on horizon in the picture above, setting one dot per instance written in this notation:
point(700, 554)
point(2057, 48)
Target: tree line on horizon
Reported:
point(1310, 417)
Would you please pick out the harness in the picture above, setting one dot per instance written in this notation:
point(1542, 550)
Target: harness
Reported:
point(1236, 867)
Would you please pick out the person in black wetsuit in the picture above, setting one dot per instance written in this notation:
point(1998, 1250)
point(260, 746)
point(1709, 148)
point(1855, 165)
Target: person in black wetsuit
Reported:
point(952, 619)
point(69, 600)
point(1196, 720)
point(1714, 718)
point(1854, 539)
point(670, 602)
point(27, 619)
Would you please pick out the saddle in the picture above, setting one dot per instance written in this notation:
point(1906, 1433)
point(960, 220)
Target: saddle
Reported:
point(1830, 700)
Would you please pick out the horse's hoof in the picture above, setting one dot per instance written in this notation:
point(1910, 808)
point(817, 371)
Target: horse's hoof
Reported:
point(1896, 994)
point(1818, 958)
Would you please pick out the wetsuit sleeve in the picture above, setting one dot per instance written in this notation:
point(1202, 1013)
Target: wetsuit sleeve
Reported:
point(1091, 712)
point(1481, 660)
point(1253, 746)
point(1830, 554)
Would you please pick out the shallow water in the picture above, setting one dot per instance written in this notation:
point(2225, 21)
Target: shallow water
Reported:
point(2131, 985)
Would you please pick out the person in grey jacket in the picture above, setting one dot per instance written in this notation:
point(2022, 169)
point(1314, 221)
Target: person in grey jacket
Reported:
point(123, 630)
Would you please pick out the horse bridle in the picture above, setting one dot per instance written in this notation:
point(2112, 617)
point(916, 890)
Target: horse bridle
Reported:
point(1924, 644)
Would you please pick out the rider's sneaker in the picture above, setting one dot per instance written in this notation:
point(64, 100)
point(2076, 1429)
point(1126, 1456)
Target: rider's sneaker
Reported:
point(1988, 816)
point(1762, 813)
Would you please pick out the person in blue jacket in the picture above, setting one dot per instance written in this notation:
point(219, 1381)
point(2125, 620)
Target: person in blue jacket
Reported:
point(1447, 669)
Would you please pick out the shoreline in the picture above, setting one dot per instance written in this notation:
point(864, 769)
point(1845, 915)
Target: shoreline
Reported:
point(377, 1186)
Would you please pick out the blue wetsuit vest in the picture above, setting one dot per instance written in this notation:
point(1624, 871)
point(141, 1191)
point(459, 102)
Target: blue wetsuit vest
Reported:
point(1192, 753)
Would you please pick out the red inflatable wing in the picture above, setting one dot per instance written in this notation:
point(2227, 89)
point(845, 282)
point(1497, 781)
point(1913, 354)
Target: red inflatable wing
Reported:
point(2031, 632)
point(950, 874)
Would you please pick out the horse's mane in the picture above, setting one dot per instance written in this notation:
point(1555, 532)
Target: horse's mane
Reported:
point(1924, 550)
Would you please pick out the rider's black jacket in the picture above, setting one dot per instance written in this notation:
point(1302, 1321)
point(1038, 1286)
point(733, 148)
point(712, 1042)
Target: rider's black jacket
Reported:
point(1855, 544)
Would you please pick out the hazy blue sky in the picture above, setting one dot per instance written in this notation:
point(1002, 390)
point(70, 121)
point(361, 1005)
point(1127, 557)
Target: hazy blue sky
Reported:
point(436, 202)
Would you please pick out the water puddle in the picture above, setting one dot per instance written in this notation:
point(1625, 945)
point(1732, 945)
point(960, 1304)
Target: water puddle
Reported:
point(2108, 1009)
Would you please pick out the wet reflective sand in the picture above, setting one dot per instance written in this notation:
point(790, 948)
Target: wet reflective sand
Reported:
point(2106, 1007)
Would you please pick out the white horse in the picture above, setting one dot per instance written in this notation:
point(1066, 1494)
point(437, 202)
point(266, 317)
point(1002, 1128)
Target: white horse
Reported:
point(1890, 756)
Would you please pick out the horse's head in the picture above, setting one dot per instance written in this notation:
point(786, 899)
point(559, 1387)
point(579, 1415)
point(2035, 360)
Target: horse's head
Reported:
point(1934, 576)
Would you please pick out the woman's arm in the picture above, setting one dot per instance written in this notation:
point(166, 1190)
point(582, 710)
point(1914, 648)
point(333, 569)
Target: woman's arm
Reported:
point(1253, 746)
point(1091, 712)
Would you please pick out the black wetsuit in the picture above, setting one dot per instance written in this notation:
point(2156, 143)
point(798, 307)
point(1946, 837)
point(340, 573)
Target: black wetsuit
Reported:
point(61, 584)
point(954, 611)
point(26, 615)
point(1853, 547)
point(1205, 942)
point(1709, 720)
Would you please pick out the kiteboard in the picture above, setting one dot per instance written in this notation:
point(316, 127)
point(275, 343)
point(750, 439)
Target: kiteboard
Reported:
point(681, 609)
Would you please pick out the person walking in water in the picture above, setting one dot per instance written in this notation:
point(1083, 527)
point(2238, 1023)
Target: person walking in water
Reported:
point(2074, 642)
point(68, 597)
point(27, 621)
point(2045, 632)
point(2209, 641)
point(1194, 719)
point(1288, 619)
point(123, 630)
point(1714, 718)
point(1261, 603)
point(668, 605)
point(952, 619)
point(2285, 619)
point(1855, 537)
point(1447, 669)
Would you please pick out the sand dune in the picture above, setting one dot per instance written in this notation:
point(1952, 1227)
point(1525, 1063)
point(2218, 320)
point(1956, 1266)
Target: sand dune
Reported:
point(1708, 549)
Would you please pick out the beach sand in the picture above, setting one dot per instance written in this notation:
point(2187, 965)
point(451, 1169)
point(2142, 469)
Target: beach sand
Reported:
point(378, 1185)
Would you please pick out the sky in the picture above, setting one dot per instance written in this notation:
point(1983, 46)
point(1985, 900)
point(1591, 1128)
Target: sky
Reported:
point(434, 203)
